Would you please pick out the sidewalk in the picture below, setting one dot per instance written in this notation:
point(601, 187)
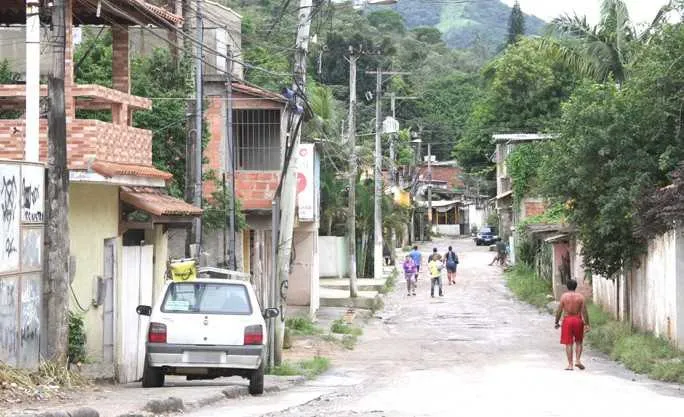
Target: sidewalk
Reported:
point(178, 395)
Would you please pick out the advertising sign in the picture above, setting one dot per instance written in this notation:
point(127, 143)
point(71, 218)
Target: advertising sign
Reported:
point(306, 185)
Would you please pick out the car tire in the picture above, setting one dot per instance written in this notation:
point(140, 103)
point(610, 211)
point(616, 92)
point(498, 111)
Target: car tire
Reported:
point(256, 381)
point(152, 377)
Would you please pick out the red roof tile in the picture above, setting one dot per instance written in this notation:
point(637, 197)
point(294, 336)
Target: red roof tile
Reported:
point(154, 201)
point(110, 169)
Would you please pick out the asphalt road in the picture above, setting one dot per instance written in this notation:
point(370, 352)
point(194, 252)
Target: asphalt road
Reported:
point(475, 352)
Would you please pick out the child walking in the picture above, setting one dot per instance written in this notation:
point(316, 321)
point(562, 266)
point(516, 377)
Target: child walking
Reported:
point(410, 275)
point(435, 267)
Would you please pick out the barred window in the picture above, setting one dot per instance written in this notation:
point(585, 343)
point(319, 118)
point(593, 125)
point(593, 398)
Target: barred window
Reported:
point(257, 136)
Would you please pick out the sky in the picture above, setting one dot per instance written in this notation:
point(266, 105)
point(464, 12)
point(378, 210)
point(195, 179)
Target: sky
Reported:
point(640, 11)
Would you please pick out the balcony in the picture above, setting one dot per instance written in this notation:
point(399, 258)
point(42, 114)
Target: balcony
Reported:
point(87, 139)
point(504, 186)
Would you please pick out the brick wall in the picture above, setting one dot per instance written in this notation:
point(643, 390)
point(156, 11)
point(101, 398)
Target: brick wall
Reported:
point(214, 151)
point(120, 60)
point(534, 208)
point(86, 139)
point(256, 189)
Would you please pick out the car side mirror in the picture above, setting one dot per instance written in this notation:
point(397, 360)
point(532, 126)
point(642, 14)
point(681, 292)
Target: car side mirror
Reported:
point(144, 310)
point(270, 313)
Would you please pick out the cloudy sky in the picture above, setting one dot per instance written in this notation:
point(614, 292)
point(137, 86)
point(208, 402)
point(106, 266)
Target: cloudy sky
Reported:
point(641, 11)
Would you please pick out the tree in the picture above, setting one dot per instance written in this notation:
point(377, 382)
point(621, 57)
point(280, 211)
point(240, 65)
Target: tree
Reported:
point(617, 145)
point(604, 51)
point(523, 92)
point(516, 24)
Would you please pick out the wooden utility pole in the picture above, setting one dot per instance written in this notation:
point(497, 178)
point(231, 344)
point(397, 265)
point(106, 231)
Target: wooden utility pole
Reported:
point(57, 230)
point(351, 218)
point(289, 183)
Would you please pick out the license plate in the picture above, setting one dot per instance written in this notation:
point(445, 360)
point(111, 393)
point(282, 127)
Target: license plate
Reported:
point(203, 357)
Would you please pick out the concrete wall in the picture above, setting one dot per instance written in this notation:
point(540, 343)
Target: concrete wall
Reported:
point(333, 251)
point(651, 296)
point(476, 216)
point(304, 277)
point(93, 217)
point(447, 229)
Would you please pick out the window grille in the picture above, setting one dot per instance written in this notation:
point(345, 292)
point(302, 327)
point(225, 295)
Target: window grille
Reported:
point(257, 135)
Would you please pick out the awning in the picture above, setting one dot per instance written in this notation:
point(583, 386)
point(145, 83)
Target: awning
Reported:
point(557, 238)
point(112, 169)
point(155, 202)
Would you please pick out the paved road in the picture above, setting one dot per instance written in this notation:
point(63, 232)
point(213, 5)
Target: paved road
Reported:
point(475, 352)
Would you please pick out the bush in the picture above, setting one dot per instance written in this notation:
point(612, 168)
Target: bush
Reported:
point(77, 339)
point(340, 327)
point(302, 326)
point(527, 286)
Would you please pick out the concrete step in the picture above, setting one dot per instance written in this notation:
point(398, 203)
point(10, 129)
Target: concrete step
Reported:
point(330, 297)
point(362, 284)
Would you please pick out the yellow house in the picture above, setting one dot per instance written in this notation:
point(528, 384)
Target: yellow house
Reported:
point(119, 213)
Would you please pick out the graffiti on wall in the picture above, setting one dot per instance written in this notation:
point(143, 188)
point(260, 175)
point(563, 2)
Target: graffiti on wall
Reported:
point(31, 249)
point(32, 193)
point(29, 330)
point(8, 320)
point(9, 218)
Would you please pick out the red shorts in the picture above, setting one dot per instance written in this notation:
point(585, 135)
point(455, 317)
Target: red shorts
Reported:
point(572, 330)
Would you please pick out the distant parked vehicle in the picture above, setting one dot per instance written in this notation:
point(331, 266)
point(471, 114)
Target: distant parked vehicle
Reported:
point(486, 236)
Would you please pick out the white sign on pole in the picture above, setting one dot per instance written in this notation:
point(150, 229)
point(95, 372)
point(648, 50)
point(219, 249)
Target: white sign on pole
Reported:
point(306, 193)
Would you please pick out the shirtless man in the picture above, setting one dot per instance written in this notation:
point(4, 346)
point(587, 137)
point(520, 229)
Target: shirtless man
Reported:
point(575, 322)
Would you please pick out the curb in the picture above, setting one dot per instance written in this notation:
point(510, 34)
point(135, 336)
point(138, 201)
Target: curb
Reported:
point(175, 404)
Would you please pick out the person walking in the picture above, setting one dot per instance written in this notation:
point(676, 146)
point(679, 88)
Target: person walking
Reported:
point(417, 259)
point(410, 275)
point(451, 265)
point(435, 267)
point(573, 308)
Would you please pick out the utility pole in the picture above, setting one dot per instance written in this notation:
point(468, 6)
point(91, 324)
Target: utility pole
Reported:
point(377, 224)
point(289, 183)
point(230, 168)
point(32, 131)
point(197, 195)
point(429, 151)
point(351, 218)
point(392, 167)
point(56, 207)
point(377, 243)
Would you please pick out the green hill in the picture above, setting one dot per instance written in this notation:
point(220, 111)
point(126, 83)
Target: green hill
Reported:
point(477, 23)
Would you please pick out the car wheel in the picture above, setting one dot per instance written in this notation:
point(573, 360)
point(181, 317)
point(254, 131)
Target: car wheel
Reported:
point(256, 381)
point(152, 377)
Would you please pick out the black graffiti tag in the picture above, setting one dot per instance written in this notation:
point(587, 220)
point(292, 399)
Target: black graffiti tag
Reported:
point(31, 194)
point(8, 197)
point(10, 247)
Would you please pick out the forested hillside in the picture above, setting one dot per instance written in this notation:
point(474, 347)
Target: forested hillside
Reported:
point(480, 23)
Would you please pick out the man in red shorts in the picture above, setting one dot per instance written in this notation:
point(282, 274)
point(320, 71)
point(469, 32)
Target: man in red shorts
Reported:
point(573, 308)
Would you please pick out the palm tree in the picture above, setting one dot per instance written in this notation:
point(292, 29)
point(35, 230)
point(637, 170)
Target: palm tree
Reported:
point(603, 51)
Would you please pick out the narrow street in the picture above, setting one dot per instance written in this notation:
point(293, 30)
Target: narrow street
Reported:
point(476, 352)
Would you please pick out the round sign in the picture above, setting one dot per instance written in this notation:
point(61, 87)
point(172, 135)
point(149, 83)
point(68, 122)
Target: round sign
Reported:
point(301, 182)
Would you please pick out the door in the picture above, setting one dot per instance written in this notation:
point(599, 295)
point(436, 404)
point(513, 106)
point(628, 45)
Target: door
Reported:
point(108, 327)
point(136, 288)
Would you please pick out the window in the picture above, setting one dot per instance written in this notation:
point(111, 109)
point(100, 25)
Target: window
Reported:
point(204, 298)
point(257, 135)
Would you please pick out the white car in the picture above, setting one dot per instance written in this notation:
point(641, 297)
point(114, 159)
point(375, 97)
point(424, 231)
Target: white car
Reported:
point(206, 328)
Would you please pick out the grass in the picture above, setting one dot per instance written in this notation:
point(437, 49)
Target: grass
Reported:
point(309, 368)
point(640, 352)
point(302, 326)
point(339, 326)
point(349, 341)
point(525, 284)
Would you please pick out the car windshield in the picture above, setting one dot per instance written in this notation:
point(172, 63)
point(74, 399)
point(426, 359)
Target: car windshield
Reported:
point(206, 298)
